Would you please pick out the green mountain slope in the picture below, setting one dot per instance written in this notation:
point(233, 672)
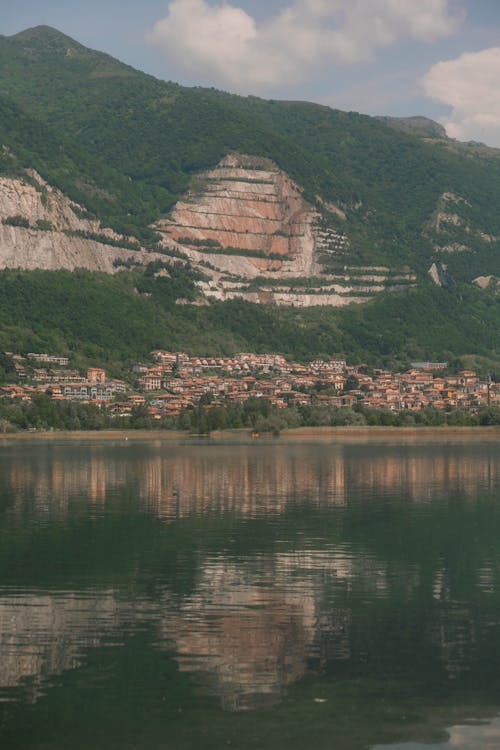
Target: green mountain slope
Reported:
point(136, 140)
point(114, 320)
point(127, 145)
point(135, 143)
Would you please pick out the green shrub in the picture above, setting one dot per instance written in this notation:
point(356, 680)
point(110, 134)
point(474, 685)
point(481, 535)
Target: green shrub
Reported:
point(16, 221)
point(44, 225)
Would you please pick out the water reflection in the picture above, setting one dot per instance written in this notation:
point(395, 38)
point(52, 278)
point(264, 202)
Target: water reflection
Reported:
point(474, 736)
point(175, 481)
point(249, 640)
point(43, 635)
point(253, 566)
point(247, 630)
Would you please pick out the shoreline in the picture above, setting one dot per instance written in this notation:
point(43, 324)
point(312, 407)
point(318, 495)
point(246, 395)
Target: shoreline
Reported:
point(244, 434)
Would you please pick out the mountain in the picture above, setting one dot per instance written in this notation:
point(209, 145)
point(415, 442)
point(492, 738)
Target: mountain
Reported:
point(127, 146)
point(279, 202)
point(422, 126)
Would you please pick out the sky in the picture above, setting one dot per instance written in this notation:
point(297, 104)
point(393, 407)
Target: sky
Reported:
point(437, 58)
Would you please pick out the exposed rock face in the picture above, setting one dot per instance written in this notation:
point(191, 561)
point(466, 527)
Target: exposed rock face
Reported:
point(440, 276)
point(44, 244)
point(488, 282)
point(245, 203)
point(36, 200)
point(30, 249)
point(447, 220)
point(246, 220)
point(245, 225)
point(483, 282)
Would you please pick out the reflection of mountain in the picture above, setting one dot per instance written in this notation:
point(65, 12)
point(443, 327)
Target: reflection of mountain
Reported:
point(43, 635)
point(326, 591)
point(247, 631)
point(249, 640)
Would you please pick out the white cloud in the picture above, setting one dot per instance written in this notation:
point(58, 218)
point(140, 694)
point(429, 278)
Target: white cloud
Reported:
point(223, 42)
point(469, 85)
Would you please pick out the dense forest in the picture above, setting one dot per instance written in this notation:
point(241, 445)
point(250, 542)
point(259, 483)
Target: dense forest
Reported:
point(116, 320)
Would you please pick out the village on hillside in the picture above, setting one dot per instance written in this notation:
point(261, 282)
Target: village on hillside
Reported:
point(177, 381)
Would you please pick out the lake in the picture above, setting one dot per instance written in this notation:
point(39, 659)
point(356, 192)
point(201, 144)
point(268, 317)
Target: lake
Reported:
point(342, 594)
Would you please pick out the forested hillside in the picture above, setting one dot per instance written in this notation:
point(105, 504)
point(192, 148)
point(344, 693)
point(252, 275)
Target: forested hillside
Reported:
point(115, 320)
point(126, 146)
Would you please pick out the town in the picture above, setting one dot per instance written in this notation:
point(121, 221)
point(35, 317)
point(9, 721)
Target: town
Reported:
point(177, 381)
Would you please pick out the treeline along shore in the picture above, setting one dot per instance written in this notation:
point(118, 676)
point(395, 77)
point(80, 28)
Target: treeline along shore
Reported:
point(256, 415)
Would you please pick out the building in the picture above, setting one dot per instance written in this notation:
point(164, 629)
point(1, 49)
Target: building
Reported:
point(96, 375)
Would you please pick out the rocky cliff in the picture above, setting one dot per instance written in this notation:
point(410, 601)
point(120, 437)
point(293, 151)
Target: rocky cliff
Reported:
point(248, 204)
point(41, 228)
point(452, 228)
point(245, 224)
point(256, 237)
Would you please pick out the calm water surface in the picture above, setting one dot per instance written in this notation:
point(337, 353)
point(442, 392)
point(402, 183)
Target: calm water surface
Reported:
point(160, 596)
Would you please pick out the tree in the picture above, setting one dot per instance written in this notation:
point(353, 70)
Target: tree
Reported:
point(351, 383)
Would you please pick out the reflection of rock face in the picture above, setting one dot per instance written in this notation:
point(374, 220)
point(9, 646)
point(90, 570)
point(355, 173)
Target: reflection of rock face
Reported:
point(250, 641)
point(252, 622)
point(248, 630)
point(253, 629)
point(45, 635)
point(247, 633)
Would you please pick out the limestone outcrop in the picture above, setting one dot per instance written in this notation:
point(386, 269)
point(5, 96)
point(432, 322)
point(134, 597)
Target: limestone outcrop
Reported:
point(245, 224)
point(35, 200)
point(56, 235)
point(248, 226)
point(447, 222)
point(31, 249)
point(245, 202)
